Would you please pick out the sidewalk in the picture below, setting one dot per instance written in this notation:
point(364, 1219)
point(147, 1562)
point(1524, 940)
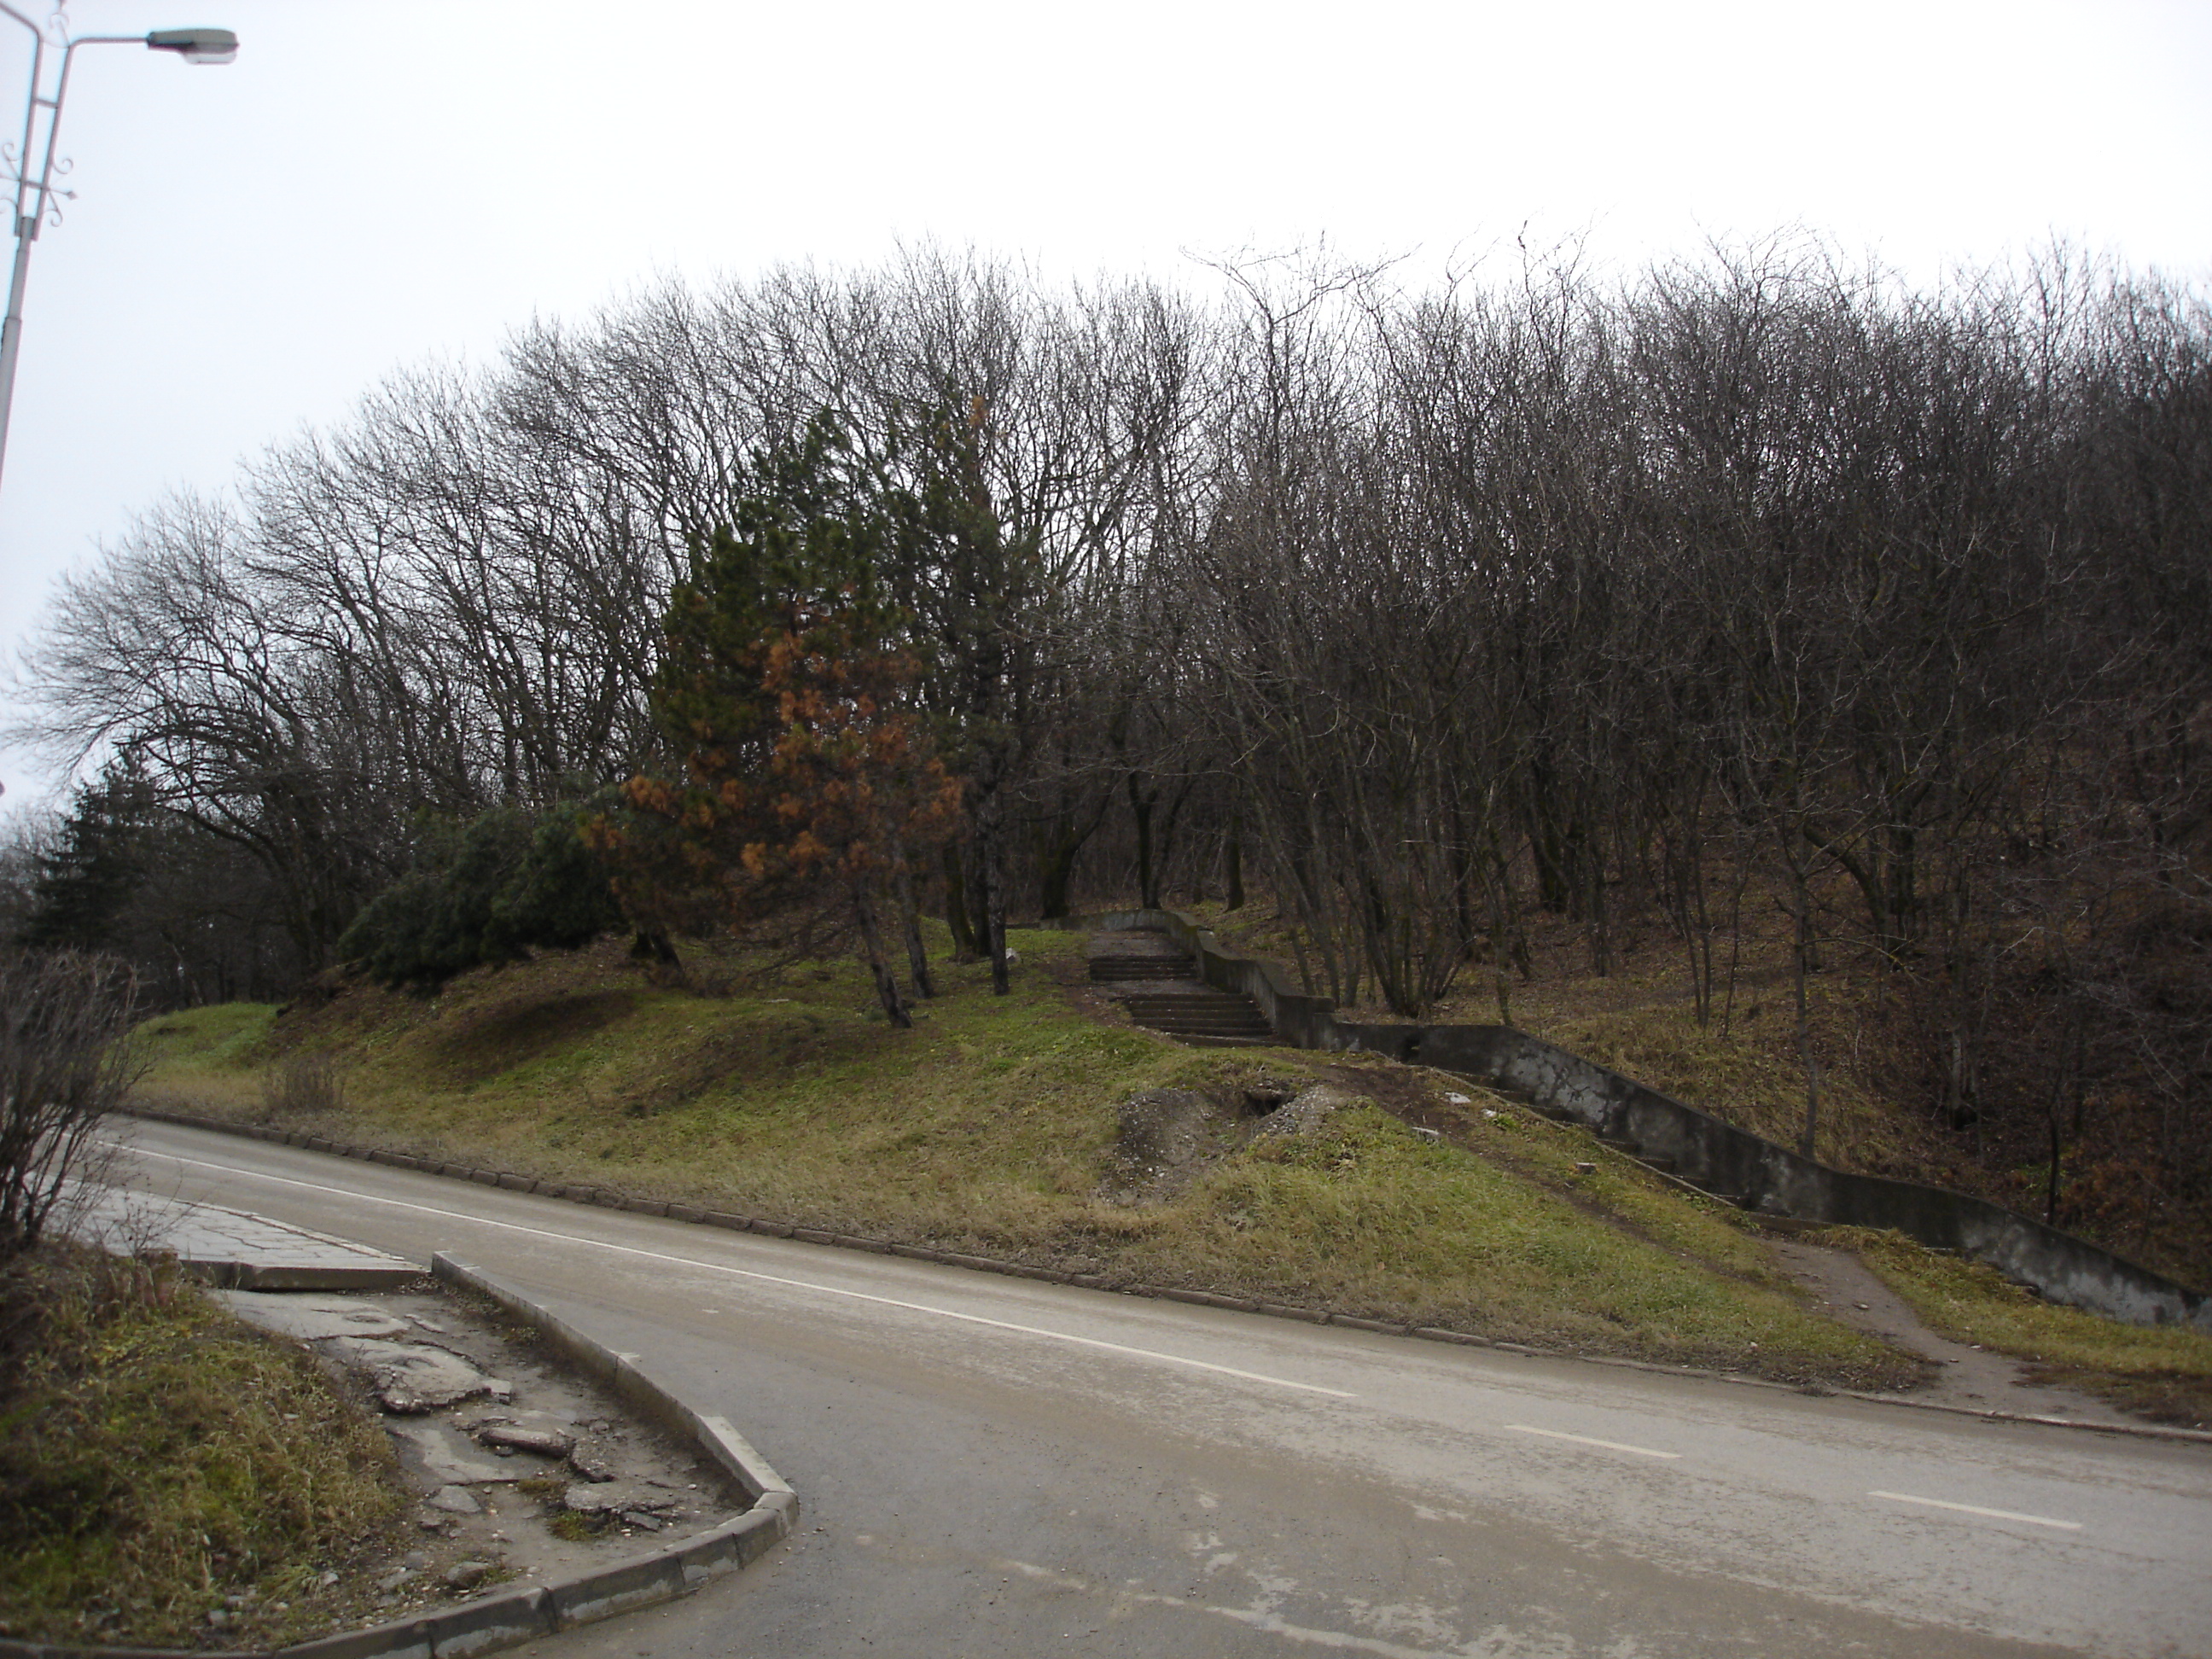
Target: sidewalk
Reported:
point(226, 1246)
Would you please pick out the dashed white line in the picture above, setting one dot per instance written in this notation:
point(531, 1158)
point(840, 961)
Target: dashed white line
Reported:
point(766, 1278)
point(1587, 1440)
point(1976, 1509)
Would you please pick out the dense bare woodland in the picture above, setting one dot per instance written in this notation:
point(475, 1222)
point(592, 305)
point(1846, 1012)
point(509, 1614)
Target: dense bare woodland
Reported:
point(1749, 582)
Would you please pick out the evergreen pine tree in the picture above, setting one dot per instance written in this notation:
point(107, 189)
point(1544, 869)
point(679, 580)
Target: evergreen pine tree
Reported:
point(85, 885)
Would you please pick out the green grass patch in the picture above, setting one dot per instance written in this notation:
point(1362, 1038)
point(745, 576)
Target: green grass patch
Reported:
point(216, 1038)
point(159, 1461)
point(1361, 1215)
point(2162, 1371)
point(992, 1128)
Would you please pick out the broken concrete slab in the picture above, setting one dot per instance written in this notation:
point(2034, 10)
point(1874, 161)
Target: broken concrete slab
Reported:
point(613, 1497)
point(411, 1377)
point(546, 1442)
point(311, 1316)
point(446, 1457)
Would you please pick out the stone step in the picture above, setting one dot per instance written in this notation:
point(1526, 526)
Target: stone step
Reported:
point(1663, 1164)
point(1203, 1016)
point(1237, 1028)
point(1211, 1019)
point(1188, 1000)
point(1110, 969)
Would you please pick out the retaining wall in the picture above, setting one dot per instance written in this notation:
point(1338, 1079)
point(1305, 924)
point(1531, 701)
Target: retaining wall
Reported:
point(1708, 1153)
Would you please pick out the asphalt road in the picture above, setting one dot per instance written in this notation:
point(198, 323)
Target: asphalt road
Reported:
point(998, 1467)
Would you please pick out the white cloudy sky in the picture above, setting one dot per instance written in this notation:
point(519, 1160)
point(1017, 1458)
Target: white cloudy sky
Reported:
point(375, 182)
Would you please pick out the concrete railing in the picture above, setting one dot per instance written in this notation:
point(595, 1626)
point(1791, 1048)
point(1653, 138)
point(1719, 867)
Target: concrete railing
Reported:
point(1717, 1156)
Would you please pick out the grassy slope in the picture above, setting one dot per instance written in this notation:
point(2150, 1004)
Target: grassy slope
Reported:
point(990, 1128)
point(1638, 1020)
point(157, 1457)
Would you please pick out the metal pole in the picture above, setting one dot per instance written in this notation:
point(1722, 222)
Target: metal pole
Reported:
point(31, 214)
point(11, 330)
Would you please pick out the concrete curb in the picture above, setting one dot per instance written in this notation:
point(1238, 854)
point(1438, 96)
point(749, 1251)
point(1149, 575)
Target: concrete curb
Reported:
point(514, 1613)
point(699, 1216)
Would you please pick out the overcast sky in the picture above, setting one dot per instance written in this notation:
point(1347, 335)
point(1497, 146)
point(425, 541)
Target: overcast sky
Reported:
point(374, 183)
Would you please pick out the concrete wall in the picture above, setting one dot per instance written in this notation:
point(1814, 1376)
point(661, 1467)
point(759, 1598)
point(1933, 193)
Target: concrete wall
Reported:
point(1708, 1153)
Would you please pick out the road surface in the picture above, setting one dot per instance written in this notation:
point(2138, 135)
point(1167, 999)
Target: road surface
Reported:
point(998, 1467)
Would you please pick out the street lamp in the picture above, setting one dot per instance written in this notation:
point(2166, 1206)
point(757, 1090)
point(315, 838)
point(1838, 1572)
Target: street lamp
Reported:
point(34, 191)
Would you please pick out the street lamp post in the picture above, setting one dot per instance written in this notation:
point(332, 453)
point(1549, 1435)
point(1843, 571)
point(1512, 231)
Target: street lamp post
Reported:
point(34, 189)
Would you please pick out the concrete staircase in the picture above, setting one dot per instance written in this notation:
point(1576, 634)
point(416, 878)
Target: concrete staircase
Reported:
point(1157, 982)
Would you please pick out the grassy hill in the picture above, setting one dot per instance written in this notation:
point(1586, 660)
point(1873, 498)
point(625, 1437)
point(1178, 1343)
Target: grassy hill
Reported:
point(1039, 1127)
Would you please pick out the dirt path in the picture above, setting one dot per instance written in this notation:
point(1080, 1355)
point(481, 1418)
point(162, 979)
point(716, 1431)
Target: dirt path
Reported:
point(1964, 1375)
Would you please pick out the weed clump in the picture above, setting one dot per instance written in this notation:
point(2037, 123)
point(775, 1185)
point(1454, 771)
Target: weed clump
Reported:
point(306, 1085)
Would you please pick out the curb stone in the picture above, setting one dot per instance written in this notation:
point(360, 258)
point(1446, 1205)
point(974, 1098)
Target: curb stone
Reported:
point(515, 1613)
point(1101, 1282)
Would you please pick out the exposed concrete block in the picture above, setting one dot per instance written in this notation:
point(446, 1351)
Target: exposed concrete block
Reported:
point(610, 1590)
point(498, 1620)
point(407, 1639)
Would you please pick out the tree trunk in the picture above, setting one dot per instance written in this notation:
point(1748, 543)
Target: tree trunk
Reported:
point(872, 948)
point(1140, 808)
point(1236, 861)
point(987, 839)
point(995, 903)
point(965, 947)
point(917, 957)
point(1057, 845)
point(1800, 960)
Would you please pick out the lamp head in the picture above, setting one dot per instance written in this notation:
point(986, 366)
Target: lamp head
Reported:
point(196, 46)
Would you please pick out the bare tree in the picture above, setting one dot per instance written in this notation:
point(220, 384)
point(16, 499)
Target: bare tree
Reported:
point(66, 1060)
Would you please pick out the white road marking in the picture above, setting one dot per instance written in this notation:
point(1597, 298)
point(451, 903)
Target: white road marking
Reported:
point(1976, 1509)
point(766, 1278)
point(1585, 1440)
point(1258, 1618)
